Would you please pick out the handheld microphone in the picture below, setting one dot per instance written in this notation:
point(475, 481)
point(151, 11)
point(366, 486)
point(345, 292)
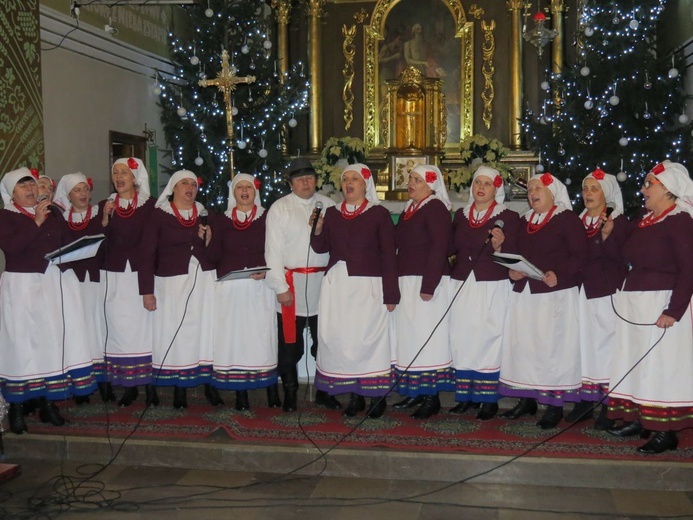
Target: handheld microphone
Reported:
point(56, 210)
point(203, 216)
point(610, 207)
point(316, 214)
point(498, 224)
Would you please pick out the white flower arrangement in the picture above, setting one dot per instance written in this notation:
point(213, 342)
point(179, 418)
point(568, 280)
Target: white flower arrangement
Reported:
point(338, 150)
point(475, 151)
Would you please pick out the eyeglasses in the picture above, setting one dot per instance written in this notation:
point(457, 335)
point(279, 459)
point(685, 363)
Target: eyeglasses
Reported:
point(647, 184)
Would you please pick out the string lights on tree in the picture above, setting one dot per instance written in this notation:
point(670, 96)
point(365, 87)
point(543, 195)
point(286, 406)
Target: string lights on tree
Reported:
point(194, 117)
point(620, 106)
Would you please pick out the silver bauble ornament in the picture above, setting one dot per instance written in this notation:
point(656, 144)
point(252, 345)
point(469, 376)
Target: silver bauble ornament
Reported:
point(614, 100)
point(293, 123)
point(623, 141)
point(621, 176)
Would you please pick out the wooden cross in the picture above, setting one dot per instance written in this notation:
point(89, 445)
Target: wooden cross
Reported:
point(226, 82)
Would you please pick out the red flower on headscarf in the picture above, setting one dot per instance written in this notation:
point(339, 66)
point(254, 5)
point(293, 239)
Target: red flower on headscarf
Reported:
point(546, 179)
point(34, 173)
point(200, 181)
point(257, 184)
point(497, 181)
point(431, 177)
point(90, 183)
point(658, 169)
point(132, 163)
point(365, 173)
point(598, 174)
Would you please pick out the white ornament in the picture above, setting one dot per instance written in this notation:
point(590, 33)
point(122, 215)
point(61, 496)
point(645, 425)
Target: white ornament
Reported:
point(262, 153)
point(585, 71)
point(234, 111)
point(209, 13)
point(621, 176)
point(194, 60)
point(267, 44)
point(589, 31)
point(293, 123)
point(614, 100)
point(623, 141)
point(634, 24)
point(568, 181)
point(181, 111)
point(673, 73)
point(157, 90)
point(245, 49)
point(545, 85)
point(683, 119)
point(540, 167)
point(199, 161)
point(242, 144)
point(589, 104)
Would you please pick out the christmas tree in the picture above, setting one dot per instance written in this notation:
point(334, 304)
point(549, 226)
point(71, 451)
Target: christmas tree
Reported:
point(194, 117)
point(620, 106)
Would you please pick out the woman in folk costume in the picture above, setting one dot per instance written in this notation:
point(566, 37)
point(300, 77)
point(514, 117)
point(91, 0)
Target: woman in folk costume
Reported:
point(83, 276)
point(124, 214)
point(177, 285)
point(46, 186)
point(477, 316)
point(245, 322)
point(602, 276)
point(540, 352)
point(33, 363)
point(652, 387)
point(422, 238)
point(358, 291)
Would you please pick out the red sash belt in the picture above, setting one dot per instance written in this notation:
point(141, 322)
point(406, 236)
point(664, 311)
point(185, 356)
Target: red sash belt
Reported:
point(289, 311)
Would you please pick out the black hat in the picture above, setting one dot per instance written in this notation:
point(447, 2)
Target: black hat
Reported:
point(300, 167)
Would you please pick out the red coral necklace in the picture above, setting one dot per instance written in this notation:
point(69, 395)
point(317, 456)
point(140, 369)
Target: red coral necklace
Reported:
point(23, 211)
point(413, 208)
point(591, 229)
point(650, 219)
point(78, 226)
point(187, 222)
point(353, 214)
point(126, 212)
point(533, 228)
point(245, 224)
point(478, 222)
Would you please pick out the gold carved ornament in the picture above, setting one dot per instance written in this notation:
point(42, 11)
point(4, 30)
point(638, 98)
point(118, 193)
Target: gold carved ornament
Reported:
point(487, 70)
point(349, 51)
point(314, 8)
point(282, 10)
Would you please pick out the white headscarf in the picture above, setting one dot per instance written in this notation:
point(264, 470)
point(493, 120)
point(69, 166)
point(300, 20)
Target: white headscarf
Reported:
point(675, 178)
point(9, 181)
point(140, 174)
point(232, 199)
point(611, 189)
point(432, 176)
point(557, 189)
point(67, 182)
point(498, 183)
point(365, 173)
point(162, 202)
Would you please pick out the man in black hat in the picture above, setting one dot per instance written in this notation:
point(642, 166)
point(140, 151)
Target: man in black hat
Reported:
point(295, 274)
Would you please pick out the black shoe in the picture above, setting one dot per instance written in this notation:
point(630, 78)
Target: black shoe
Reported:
point(106, 392)
point(627, 429)
point(242, 402)
point(408, 402)
point(660, 442)
point(552, 416)
point(356, 404)
point(290, 384)
point(81, 399)
point(582, 411)
point(129, 396)
point(523, 407)
point(213, 396)
point(29, 406)
point(464, 406)
point(377, 407)
point(16, 415)
point(180, 397)
point(330, 402)
point(48, 412)
point(273, 400)
point(152, 398)
point(429, 407)
point(488, 411)
point(603, 423)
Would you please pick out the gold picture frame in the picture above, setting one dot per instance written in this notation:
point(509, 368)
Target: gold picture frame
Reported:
point(400, 167)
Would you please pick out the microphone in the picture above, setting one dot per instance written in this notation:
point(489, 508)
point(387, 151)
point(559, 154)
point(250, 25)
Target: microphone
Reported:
point(55, 210)
point(498, 224)
point(316, 214)
point(203, 216)
point(610, 207)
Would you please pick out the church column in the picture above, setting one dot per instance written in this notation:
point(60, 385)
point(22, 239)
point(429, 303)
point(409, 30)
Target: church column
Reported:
point(515, 104)
point(557, 10)
point(315, 59)
point(282, 10)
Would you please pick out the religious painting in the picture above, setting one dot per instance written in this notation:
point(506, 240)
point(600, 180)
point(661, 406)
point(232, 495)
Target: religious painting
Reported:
point(434, 37)
point(401, 167)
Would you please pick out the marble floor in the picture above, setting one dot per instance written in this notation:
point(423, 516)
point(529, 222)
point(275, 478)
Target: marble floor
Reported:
point(62, 490)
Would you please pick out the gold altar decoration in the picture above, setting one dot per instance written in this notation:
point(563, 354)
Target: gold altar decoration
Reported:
point(487, 69)
point(226, 82)
point(557, 8)
point(315, 12)
point(515, 105)
point(361, 15)
point(349, 51)
point(377, 133)
point(282, 10)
